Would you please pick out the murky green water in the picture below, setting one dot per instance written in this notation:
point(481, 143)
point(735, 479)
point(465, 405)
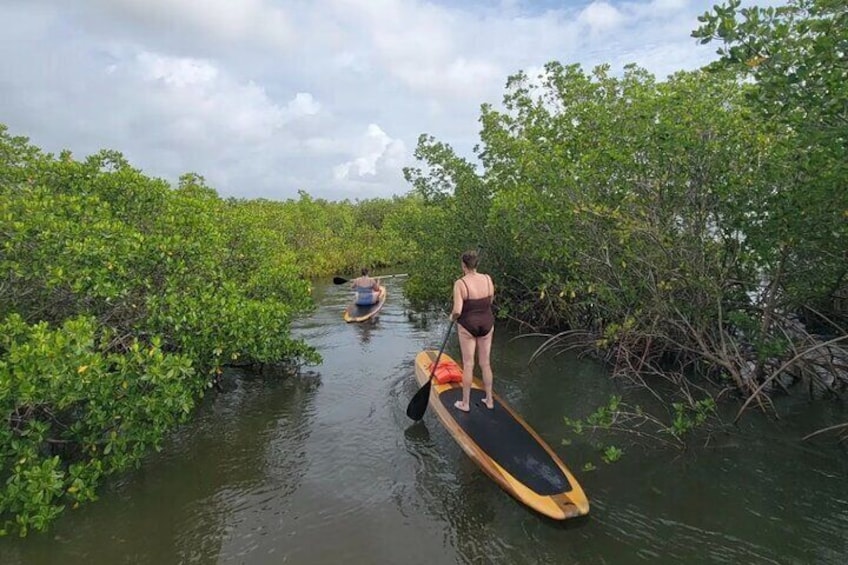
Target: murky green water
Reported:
point(326, 468)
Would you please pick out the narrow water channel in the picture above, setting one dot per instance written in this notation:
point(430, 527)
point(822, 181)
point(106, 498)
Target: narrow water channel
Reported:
point(326, 468)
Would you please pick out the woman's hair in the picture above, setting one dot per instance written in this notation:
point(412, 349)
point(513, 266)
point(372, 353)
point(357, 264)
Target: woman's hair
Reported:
point(469, 259)
point(364, 271)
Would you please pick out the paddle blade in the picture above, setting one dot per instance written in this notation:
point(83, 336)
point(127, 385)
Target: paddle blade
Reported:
point(339, 280)
point(418, 404)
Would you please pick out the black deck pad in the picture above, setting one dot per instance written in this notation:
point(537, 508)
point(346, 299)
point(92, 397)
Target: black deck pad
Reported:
point(355, 311)
point(508, 443)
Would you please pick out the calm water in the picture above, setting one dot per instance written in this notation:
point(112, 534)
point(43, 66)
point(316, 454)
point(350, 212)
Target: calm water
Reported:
point(326, 468)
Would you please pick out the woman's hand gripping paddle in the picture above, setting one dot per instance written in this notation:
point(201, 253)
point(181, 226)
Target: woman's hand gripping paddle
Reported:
point(418, 404)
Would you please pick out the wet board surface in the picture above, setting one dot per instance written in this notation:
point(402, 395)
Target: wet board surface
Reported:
point(507, 442)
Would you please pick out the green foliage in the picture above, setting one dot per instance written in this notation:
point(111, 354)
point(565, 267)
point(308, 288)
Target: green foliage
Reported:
point(688, 417)
point(322, 237)
point(795, 56)
point(121, 300)
point(451, 220)
point(618, 419)
point(675, 224)
point(602, 200)
point(78, 411)
point(612, 454)
point(603, 418)
point(794, 52)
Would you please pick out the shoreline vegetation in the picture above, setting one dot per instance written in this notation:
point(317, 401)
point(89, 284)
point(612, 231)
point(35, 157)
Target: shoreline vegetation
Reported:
point(123, 298)
point(690, 232)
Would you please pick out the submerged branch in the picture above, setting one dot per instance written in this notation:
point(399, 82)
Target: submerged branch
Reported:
point(824, 430)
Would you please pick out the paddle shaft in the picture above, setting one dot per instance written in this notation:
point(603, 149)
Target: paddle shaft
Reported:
point(342, 280)
point(441, 350)
point(418, 405)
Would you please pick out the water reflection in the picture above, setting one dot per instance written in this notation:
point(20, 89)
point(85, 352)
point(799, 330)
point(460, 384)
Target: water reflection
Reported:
point(196, 499)
point(417, 436)
point(365, 329)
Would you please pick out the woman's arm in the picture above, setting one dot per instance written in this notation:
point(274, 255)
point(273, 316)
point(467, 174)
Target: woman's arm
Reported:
point(457, 301)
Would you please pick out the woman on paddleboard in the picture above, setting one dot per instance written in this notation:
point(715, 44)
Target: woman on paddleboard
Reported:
point(367, 289)
point(472, 311)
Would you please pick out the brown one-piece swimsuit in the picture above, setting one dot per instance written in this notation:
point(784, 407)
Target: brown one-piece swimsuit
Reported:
point(476, 315)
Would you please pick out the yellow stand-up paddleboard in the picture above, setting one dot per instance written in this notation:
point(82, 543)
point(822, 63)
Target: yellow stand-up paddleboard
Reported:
point(354, 313)
point(504, 446)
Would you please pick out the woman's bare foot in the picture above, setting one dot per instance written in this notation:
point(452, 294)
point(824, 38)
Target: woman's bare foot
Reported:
point(490, 403)
point(460, 405)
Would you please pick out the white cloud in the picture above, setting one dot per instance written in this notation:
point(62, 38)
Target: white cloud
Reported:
point(601, 17)
point(669, 5)
point(453, 79)
point(232, 21)
point(204, 103)
point(265, 97)
point(324, 145)
point(429, 48)
point(377, 152)
point(176, 72)
point(303, 104)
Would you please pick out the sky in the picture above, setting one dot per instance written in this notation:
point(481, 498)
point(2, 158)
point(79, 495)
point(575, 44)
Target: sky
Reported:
point(267, 97)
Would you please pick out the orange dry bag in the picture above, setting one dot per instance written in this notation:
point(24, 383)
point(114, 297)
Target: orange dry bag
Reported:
point(447, 372)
